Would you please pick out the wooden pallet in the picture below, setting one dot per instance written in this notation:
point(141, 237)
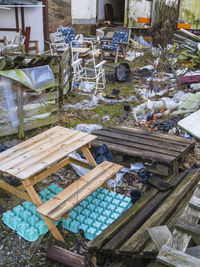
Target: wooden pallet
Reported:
point(159, 149)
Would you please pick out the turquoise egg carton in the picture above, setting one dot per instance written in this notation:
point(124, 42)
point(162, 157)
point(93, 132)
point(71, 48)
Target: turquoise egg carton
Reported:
point(96, 212)
point(26, 221)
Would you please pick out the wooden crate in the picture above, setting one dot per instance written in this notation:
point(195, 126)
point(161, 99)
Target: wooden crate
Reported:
point(51, 98)
point(160, 151)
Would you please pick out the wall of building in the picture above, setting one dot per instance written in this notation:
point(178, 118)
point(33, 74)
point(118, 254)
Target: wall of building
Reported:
point(33, 17)
point(83, 11)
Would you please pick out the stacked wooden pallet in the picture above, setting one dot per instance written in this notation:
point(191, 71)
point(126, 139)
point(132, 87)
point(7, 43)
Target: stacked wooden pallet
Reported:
point(128, 237)
point(161, 150)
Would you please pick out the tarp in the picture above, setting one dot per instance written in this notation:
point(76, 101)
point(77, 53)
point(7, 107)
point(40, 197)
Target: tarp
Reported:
point(37, 79)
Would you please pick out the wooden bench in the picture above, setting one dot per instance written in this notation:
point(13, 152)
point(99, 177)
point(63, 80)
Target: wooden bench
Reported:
point(64, 201)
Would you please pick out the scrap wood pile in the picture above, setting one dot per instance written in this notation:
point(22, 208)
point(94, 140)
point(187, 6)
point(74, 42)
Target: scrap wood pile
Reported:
point(127, 239)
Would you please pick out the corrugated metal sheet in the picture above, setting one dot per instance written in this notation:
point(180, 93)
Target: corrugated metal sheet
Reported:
point(18, 2)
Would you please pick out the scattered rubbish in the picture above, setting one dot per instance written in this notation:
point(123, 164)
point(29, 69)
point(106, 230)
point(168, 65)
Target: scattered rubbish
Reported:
point(195, 166)
point(115, 92)
point(123, 72)
point(102, 154)
point(135, 195)
point(3, 148)
point(87, 128)
point(191, 124)
point(166, 124)
point(86, 86)
point(132, 55)
point(106, 118)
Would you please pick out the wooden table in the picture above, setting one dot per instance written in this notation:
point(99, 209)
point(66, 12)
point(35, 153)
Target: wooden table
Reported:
point(35, 159)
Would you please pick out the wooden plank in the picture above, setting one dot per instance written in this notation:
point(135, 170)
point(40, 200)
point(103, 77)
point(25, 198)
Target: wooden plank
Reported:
point(20, 111)
point(13, 190)
point(33, 150)
point(37, 178)
point(136, 152)
point(30, 125)
point(180, 240)
point(140, 140)
point(139, 219)
point(174, 258)
point(159, 183)
point(193, 251)
point(40, 110)
point(189, 228)
point(172, 139)
point(132, 144)
point(195, 202)
point(160, 235)
point(88, 155)
point(150, 249)
point(136, 243)
point(58, 154)
point(26, 144)
point(37, 201)
point(32, 99)
point(79, 190)
point(65, 257)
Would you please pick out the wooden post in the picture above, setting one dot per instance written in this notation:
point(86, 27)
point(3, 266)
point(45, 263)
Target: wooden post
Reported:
point(20, 111)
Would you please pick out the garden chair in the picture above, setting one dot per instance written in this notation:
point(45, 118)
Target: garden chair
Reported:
point(118, 44)
point(58, 44)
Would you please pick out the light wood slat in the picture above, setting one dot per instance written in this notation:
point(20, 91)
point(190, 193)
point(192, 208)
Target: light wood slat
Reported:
point(71, 189)
point(167, 136)
point(30, 157)
point(142, 141)
point(64, 151)
point(79, 190)
point(28, 142)
point(174, 258)
point(29, 148)
point(35, 157)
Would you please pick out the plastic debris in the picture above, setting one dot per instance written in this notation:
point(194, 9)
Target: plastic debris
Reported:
point(96, 212)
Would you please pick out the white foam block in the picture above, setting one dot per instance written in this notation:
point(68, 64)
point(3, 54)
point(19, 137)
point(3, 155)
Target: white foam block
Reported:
point(191, 124)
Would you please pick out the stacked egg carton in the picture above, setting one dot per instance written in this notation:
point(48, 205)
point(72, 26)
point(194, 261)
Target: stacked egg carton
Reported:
point(26, 221)
point(96, 212)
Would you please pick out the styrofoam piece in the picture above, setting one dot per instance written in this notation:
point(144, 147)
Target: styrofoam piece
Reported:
point(191, 124)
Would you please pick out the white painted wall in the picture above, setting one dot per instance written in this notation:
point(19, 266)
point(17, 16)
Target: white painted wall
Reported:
point(83, 11)
point(33, 18)
point(138, 9)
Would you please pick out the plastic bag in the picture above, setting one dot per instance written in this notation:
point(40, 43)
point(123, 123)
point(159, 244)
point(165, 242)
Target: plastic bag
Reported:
point(87, 128)
point(86, 86)
point(170, 104)
point(189, 101)
point(155, 106)
point(79, 170)
point(139, 110)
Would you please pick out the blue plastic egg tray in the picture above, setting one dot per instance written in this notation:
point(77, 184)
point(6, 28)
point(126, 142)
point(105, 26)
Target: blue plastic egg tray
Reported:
point(92, 215)
point(96, 212)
